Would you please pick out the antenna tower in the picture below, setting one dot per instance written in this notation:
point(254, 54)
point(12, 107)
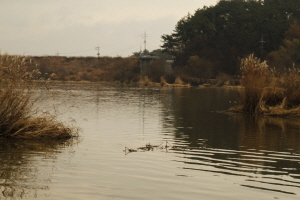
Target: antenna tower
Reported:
point(145, 40)
point(98, 49)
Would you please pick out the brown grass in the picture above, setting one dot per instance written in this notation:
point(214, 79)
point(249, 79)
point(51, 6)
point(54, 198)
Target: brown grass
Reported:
point(18, 95)
point(178, 81)
point(163, 81)
point(267, 91)
point(144, 81)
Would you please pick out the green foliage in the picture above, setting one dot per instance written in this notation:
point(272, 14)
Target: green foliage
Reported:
point(288, 55)
point(231, 30)
point(198, 67)
point(293, 32)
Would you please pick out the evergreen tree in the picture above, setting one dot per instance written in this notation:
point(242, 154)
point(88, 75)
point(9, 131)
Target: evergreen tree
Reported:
point(230, 30)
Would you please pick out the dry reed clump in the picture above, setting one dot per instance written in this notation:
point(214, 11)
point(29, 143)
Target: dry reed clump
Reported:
point(45, 127)
point(145, 81)
point(178, 81)
point(255, 77)
point(163, 81)
point(267, 91)
point(18, 88)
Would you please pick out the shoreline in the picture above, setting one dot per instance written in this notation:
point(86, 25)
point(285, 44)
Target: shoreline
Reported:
point(272, 111)
point(142, 84)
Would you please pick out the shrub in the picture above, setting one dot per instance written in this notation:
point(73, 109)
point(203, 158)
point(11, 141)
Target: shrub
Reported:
point(223, 79)
point(144, 81)
point(198, 67)
point(156, 70)
point(178, 81)
point(163, 81)
point(255, 77)
point(18, 95)
point(265, 90)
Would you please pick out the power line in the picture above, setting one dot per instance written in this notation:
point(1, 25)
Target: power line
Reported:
point(111, 43)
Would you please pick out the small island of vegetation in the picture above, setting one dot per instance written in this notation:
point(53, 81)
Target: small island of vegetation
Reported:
point(19, 88)
point(267, 91)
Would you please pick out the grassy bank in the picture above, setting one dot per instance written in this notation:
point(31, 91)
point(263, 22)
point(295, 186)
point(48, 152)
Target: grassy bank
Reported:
point(18, 96)
point(124, 70)
point(267, 91)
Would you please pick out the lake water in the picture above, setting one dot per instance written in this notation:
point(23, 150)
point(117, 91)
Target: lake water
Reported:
point(218, 155)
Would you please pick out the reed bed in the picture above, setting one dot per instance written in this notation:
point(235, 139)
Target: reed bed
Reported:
point(18, 96)
point(163, 81)
point(266, 91)
point(145, 81)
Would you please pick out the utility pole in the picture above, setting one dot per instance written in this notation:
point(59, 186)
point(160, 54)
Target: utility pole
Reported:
point(57, 54)
point(262, 46)
point(98, 49)
point(145, 40)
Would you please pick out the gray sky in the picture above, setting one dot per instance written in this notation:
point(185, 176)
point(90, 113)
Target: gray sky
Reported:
point(76, 27)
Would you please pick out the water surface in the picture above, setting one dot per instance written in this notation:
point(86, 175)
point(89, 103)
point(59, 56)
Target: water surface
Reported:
point(220, 156)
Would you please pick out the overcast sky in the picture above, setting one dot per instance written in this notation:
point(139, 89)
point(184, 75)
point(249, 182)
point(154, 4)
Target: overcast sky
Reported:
point(76, 27)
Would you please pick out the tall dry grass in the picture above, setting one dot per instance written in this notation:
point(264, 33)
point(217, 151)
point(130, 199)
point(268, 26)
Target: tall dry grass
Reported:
point(255, 77)
point(267, 91)
point(19, 118)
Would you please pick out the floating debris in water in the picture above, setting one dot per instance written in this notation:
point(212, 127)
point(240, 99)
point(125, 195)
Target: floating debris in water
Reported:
point(129, 150)
point(163, 146)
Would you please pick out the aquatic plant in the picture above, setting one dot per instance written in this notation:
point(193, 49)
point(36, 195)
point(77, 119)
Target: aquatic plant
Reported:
point(19, 90)
point(267, 91)
point(163, 146)
point(255, 77)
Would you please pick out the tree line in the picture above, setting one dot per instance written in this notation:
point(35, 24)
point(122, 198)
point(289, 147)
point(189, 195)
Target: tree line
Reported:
point(214, 39)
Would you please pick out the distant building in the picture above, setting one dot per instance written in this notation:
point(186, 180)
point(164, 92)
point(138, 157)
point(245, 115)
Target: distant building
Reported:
point(145, 61)
point(168, 67)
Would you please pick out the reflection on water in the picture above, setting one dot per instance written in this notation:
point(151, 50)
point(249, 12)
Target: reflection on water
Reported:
point(22, 173)
point(275, 134)
point(223, 156)
point(255, 147)
point(196, 117)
